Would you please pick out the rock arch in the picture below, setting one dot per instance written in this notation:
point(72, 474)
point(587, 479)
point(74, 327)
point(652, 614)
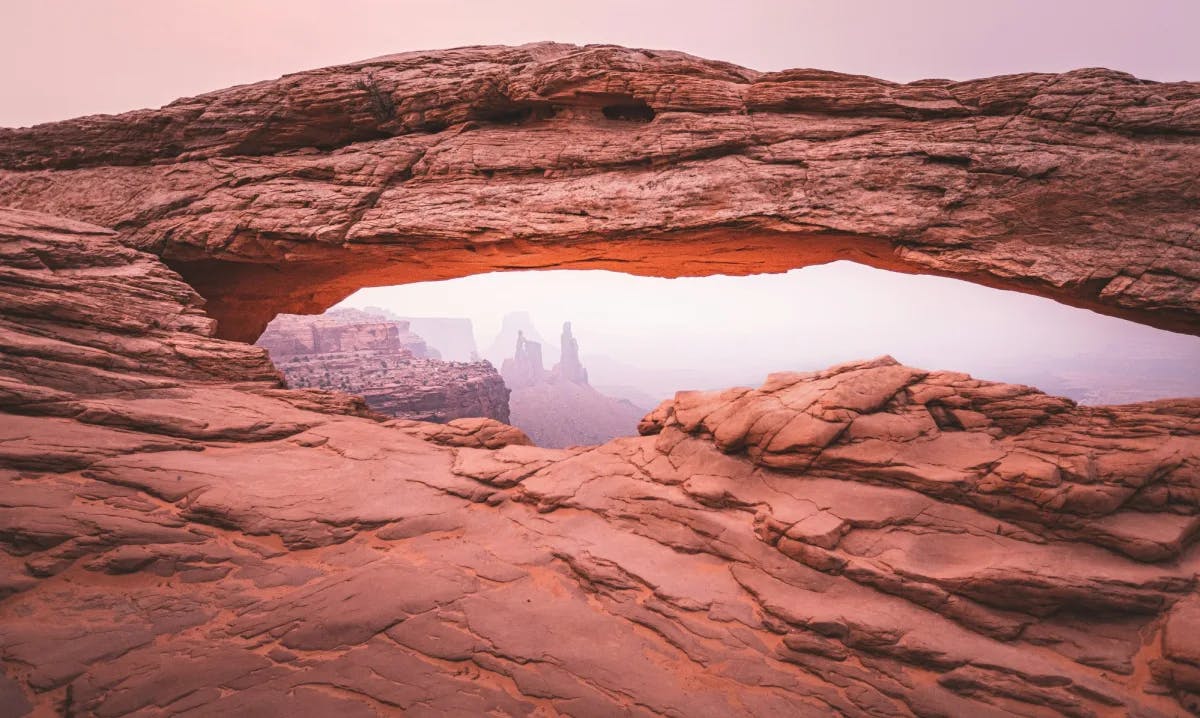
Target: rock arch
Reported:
point(287, 195)
point(742, 532)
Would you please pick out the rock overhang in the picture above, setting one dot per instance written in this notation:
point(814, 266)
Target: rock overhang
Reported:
point(849, 555)
point(287, 195)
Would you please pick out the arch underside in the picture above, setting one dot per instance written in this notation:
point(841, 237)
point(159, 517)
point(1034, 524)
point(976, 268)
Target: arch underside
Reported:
point(244, 296)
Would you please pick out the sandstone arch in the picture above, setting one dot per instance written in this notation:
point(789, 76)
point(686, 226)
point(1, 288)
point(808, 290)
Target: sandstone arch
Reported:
point(287, 195)
point(872, 539)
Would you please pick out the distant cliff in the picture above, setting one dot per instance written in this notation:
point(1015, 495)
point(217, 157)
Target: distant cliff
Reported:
point(453, 337)
point(450, 338)
point(341, 330)
point(557, 407)
point(385, 363)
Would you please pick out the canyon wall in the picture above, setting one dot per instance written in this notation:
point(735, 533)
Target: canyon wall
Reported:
point(287, 195)
point(450, 338)
point(453, 337)
point(340, 331)
point(382, 361)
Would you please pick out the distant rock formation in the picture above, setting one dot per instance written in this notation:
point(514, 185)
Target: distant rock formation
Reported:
point(453, 337)
point(339, 331)
point(569, 367)
point(385, 363)
point(449, 338)
point(524, 368)
point(558, 408)
point(514, 324)
point(561, 414)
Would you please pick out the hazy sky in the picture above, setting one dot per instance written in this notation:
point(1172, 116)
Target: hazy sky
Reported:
point(64, 58)
point(835, 309)
point(709, 332)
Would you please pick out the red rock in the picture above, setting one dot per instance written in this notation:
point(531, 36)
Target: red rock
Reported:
point(184, 535)
point(389, 366)
point(475, 432)
point(284, 196)
point(340, 331)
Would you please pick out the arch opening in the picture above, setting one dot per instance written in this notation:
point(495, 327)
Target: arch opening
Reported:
point(579, 357)
point(307, 278)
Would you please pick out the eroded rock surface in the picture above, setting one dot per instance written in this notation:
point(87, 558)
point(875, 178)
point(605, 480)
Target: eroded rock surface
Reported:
point(183, 536)
point(287, 195)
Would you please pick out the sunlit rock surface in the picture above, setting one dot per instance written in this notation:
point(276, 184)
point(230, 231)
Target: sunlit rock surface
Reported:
point(183, 536)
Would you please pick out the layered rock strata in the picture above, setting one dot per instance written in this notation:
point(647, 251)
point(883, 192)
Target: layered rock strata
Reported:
point(386, 364)
point(182, 536)
point(341, 331)
point(287, 195)
point(449, 338)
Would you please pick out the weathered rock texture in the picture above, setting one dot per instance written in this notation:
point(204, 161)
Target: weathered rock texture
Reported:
point(285, 196)
point(383, 362)
point(184, 537)
point(474, 432)
point(558, 408)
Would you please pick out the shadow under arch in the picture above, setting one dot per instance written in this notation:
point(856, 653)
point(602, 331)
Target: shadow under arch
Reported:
point(244, 296)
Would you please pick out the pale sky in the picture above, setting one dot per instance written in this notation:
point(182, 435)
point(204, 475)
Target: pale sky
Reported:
point(65, 58)
point(711, 332)
point(814, 313)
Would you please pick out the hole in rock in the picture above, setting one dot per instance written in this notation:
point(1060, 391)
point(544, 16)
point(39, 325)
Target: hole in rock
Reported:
point(579, 356)
point(632, 110)
point(509, 112)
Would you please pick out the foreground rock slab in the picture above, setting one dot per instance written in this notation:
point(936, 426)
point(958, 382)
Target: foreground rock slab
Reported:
point(184, 537)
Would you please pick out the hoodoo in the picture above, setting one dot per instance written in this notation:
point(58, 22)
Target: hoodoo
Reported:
point(184, 535)
point(559, 408)
point(569, 368)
